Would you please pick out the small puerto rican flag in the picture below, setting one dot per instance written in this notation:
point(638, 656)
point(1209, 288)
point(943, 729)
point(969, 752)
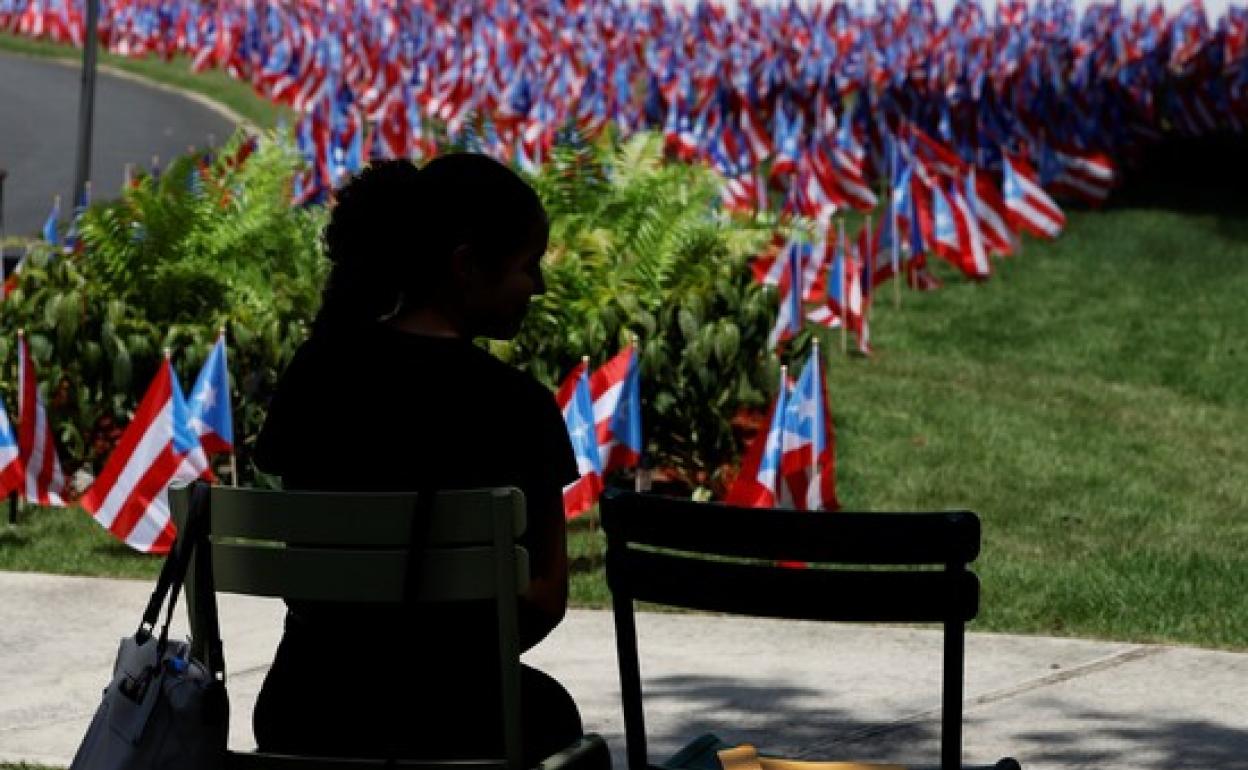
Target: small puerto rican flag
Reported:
point(43, 482)
point(616, 392)
point(10, 460)
point(130, 497)
point(578, 414)
point(208, 404)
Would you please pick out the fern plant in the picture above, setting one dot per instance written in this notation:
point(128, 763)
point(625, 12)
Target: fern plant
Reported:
point(637, 248)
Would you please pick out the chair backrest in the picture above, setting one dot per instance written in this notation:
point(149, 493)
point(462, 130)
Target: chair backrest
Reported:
point(903, 567)
point(354, 547)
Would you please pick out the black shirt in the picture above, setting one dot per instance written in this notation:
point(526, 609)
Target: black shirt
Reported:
point(385, 410)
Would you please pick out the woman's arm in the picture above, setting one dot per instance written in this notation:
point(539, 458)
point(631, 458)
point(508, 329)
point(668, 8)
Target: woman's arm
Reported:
point(546, 601)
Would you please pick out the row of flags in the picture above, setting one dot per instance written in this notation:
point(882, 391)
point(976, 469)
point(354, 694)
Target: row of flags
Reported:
point(764, 93)
point(170, 438)
point(935, 204)
point(602, 412)
point(168, 441)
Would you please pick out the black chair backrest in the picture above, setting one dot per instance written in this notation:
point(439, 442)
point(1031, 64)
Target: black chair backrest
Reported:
point(878, 567)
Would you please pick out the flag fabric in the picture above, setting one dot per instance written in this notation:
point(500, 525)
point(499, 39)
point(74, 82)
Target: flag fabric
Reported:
point(1082, 175)
point(789, 318)
point(208, 404)
point(808, 455)
point(50, 225)
point(989, 208)
point(865, 275)
point(1095, 86)
point(615, 389)
point(844, 302)
point(73, 237)
point(10, 456)
point(43, 483)
point(577, 406)
point(760, 483)
point(971, 257)
point(8, 281)
point(130, 497)
point(1030, 207)
point(768, 268)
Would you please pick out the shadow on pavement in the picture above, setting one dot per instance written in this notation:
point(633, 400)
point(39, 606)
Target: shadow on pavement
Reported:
point(778, 718)
point(1158, 743)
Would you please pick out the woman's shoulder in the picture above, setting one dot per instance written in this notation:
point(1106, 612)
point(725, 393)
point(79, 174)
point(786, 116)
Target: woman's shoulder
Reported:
point(519, 382)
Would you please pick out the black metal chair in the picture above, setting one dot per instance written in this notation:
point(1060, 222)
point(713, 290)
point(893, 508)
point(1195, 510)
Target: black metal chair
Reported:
point(903, 567)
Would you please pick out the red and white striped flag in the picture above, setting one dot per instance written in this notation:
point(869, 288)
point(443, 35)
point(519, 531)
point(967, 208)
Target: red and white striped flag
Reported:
point(1030, 207)
point(159, 448)
point(43, 483)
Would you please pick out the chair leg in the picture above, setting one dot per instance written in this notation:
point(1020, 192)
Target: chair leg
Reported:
point(630, 682)
point(951, 696)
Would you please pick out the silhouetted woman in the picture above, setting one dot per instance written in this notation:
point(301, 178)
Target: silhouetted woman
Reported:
point(390, 394)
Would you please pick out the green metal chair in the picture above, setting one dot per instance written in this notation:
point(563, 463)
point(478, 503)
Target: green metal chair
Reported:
point(353, 547)
point(727, 559)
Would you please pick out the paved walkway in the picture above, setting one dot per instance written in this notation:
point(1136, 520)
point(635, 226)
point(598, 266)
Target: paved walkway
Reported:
point(805, 689)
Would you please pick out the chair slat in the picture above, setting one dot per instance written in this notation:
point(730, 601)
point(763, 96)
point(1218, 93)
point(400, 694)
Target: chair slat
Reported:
point(840, 537)
point(316, 574)
point(780, 592)
point(377, 519)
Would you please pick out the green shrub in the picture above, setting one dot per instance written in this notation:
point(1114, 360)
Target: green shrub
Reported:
point(636, 247)
point(163, 266)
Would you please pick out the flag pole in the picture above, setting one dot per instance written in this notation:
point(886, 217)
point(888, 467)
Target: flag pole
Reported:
point(13, 507)
point(233, 453)
point(869, 266)
point(816, 361)
point(840, 239)
point(894, 247)
point(86, 97)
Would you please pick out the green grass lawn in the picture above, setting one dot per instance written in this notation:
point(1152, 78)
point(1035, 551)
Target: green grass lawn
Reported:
point(214, 84)
point(1090, 403)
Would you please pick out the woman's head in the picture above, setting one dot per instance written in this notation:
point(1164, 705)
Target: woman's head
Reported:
point(462, 235)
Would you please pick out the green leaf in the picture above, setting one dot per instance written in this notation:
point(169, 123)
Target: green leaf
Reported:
point(51, 310)
point(727, 341)
point(121, 369)
point(688, 324)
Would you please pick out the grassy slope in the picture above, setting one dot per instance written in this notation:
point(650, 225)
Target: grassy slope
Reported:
point(1089, 403)
point(1091, 406)
point(214, 84)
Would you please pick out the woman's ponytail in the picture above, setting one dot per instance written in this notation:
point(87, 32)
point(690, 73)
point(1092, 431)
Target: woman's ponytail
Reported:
point(368, 231)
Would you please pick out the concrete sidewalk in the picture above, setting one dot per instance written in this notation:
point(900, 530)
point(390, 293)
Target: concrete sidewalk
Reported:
point(804, 689)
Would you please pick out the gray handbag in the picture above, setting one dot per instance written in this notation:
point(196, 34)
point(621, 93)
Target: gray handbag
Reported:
point(164, 708)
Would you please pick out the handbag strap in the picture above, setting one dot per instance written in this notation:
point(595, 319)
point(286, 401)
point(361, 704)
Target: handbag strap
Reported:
point(192, 542)
point(209, 630)
point(173, 571)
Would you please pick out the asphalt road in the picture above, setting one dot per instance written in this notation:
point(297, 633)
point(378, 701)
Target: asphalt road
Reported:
point(39, 130)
